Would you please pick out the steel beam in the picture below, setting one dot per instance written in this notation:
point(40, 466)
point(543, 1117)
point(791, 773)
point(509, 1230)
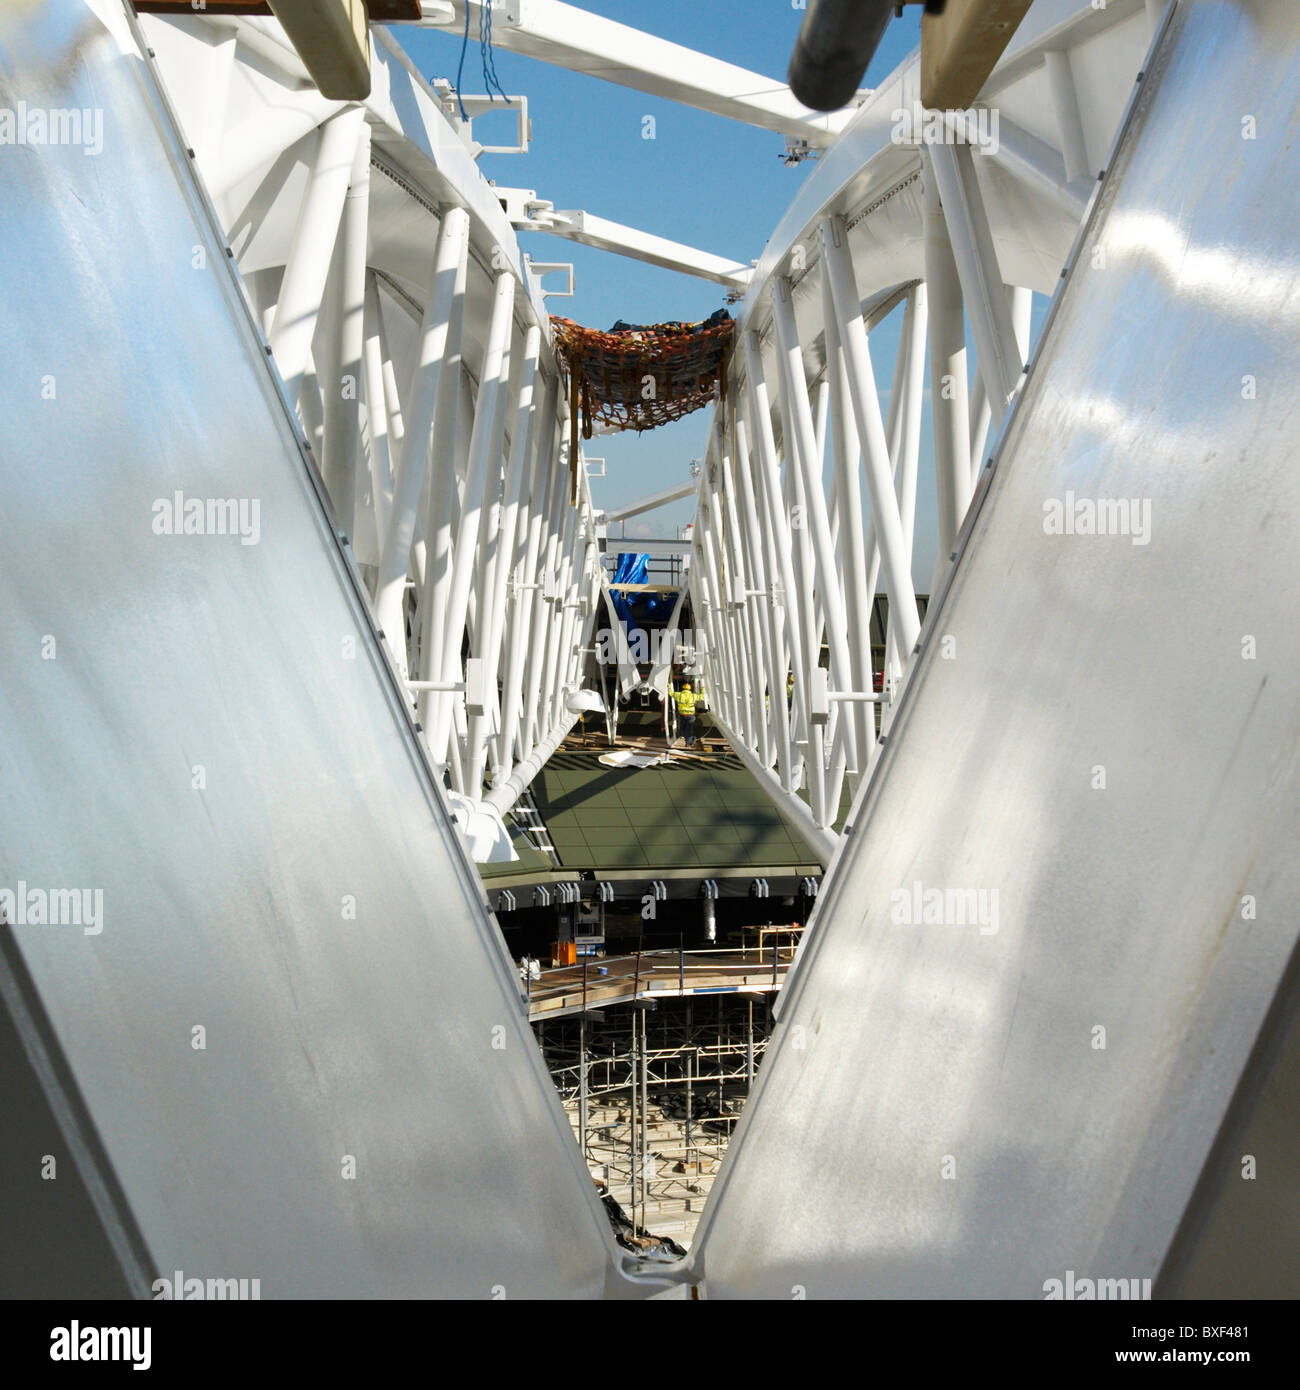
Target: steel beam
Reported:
point(949, 400)
point(378, 455)
point(803, 453)
point(589, 43)
point(484, 448)
point(778, 530)
point(453, 240)
point(341, 396)
point(648, 504)
point(871, 431)
point(307, 266)
point(450, 425)
point(599, 232)
point(977, 268)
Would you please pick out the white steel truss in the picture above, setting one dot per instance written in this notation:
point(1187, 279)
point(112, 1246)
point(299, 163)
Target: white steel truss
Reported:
point(426, 380)
point(413, 337)
point(950, 234)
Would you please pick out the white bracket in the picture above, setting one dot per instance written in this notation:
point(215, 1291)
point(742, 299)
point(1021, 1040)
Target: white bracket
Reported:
point(481, 104)
point(541, 268)
point(474, 685)
point(797, 149)
point(476, 693)
point(819, 707)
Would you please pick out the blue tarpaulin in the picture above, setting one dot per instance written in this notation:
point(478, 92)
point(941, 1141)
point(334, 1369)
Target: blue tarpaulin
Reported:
point(638, 608)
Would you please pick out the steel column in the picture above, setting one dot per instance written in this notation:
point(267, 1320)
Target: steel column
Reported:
point(742, 577)
point(808, 458)
point(977, 269)
point(307, 267)
point(871, 431)
point(775, 716)
point(949, 402)
point(450, 423)
point(778, 528)
point(909, 388)
point(483, 449)
point(851, 548)
point(342, 394)
point(453, 238)
point(541, 621)
point(376, 397)
point(522, 605)
point(1065, 100)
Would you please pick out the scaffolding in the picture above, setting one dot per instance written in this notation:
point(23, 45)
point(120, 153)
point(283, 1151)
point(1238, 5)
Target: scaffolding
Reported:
point(653, 1093)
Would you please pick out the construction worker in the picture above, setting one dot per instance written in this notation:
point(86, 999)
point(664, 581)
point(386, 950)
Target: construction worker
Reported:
point(684, 699)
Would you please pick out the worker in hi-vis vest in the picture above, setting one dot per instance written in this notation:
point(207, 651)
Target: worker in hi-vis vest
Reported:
point(684, 699)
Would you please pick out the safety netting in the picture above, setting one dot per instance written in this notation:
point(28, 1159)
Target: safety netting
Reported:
point(638, 376)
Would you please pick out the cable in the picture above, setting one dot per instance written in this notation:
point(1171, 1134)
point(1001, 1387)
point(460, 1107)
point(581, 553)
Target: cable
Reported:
point(490, 78)
point(460, 67)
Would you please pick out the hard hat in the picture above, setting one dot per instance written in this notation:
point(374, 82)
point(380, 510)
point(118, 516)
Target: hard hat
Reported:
point(686, 685)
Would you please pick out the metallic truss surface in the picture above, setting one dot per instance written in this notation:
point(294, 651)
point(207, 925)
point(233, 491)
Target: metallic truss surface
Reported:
point(294, 542)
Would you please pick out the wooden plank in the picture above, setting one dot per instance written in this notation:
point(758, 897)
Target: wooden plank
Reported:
point(961, 47)
point(333, 41)
point(380, 11)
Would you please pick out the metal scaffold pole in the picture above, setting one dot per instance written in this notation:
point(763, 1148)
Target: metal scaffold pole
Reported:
point(690, 1067)
point(582, 1086)
point(749, 1046)
point(645, 1135)
point(721, 1064)
point(631, 1128)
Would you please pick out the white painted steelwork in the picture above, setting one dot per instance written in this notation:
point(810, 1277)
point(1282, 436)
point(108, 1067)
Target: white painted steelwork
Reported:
point(251, 788)
point(1052, 965)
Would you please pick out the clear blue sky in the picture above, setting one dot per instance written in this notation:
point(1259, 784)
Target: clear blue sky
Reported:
point(704, 180)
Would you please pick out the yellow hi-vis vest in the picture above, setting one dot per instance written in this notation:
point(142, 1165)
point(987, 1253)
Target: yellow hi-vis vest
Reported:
point(685, 701)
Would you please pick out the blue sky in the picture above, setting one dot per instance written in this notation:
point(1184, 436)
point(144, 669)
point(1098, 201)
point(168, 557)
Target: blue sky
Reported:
point(704, 180)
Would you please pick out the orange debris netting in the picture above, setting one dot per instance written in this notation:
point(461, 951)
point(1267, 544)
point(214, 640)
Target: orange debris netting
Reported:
point(638, 376)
